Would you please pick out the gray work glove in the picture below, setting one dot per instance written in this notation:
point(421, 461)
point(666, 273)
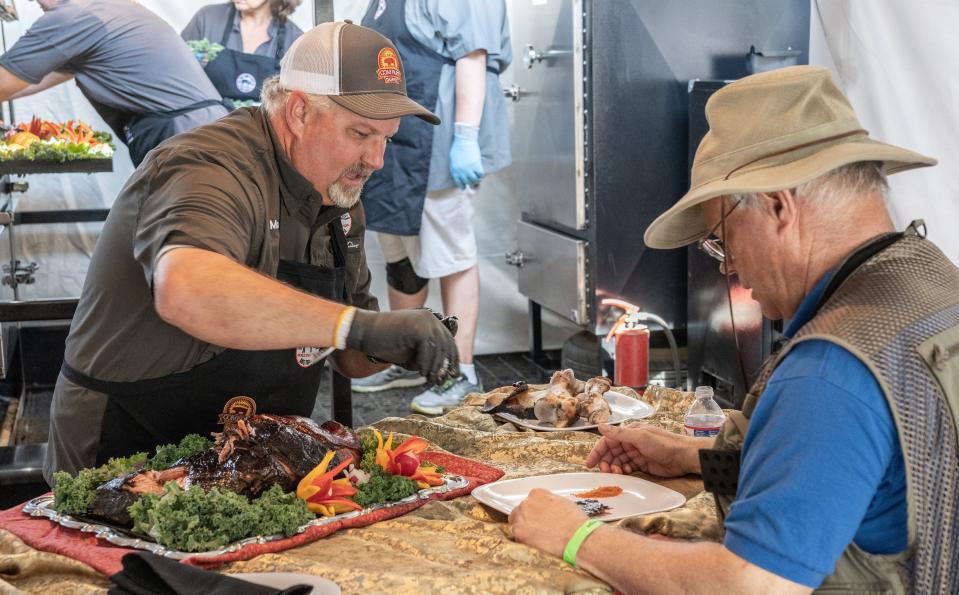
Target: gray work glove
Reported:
point(414, 339)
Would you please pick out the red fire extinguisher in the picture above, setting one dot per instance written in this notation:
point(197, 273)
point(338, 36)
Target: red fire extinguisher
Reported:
point(632, 346)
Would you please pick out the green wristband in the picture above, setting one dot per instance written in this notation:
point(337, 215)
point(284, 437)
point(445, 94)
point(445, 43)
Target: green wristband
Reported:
point(574, 543)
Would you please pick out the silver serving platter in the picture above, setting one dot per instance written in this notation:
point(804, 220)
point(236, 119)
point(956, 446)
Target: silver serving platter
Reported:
point(42, 506)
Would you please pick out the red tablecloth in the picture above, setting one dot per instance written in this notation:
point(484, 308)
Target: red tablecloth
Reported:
point(44, 535)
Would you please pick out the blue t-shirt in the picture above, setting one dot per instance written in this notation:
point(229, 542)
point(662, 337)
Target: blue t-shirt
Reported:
point(821, 465)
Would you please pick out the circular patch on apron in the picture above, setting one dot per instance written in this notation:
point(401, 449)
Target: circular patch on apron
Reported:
point(245, 83)
point(307, 356)
point(347, 222)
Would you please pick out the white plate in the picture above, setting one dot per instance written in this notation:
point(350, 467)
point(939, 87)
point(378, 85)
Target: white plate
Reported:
point(638, 497)
point(285, 580)
point(621, 408)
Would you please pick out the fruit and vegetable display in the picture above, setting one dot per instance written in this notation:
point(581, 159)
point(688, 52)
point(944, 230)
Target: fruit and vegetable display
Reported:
point(45, 140)
point(265, 475)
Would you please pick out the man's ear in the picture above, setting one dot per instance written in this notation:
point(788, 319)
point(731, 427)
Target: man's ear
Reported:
point(297, 109)
point(782, 206)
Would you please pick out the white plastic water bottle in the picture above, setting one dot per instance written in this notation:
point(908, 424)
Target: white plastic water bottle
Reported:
point(705, 418)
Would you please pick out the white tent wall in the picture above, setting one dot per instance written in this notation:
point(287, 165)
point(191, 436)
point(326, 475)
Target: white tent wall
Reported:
point(896, 62)
point(63, 250)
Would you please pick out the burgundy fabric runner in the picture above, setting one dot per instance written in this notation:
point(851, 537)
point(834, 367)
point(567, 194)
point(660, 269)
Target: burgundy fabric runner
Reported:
point(47, 536)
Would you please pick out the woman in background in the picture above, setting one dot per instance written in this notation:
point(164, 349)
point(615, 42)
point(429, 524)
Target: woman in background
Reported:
point(240, 43)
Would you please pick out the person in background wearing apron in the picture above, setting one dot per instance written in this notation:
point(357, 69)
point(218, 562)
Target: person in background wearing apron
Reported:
point(253, 34)
point(128, 62)
point(233, 259)
point(421, 202)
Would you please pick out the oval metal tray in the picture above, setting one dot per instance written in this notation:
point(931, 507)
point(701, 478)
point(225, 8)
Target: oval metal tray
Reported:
point(42, 506)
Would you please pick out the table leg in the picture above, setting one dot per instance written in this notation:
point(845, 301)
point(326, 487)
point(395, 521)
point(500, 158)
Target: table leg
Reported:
point(342, 390)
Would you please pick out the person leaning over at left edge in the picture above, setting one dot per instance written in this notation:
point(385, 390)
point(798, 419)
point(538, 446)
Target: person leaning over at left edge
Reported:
point(112, 49)
point(847, 441)
point(234, 257)
point(255, 34)
point(421, 203)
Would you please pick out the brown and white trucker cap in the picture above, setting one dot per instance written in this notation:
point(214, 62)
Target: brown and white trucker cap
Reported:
point(355, 67)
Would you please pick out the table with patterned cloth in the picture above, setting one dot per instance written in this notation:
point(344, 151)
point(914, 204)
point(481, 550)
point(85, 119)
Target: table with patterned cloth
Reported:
point(456, 546)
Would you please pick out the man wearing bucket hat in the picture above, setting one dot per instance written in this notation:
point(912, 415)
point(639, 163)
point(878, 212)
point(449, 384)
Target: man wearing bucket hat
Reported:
point(847, 442)
point(233, 261)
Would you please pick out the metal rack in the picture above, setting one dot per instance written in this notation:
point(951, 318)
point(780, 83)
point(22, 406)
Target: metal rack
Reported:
point(20, 463)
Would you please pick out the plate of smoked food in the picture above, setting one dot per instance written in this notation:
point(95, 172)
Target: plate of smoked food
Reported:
point(566, 403)
point(263, 478)
point(603, 496)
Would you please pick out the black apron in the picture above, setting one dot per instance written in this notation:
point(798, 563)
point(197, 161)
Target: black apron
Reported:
point(393, 196)
point(143, 414)
point(145, 131)
point(238, 75)
point(141, 132)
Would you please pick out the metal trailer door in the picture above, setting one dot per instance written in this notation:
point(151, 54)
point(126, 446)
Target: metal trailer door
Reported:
point(548, 98)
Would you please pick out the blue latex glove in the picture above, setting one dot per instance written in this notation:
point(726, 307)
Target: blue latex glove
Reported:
point(466, 161)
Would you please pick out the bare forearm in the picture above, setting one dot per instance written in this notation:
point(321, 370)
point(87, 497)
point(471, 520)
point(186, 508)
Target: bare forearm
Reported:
point(219, 301)
point(691, 455)
point(471, 87)
point(51, 80)
point(657, 566)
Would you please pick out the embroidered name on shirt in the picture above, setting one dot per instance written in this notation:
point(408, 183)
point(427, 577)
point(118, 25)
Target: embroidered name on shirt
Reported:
point(274, 224)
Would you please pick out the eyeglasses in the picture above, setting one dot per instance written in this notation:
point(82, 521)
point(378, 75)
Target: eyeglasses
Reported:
point(713, 246)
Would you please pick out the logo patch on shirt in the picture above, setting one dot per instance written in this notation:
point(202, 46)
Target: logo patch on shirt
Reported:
point(380, 9)
point(353, 244)
point(307, 356)
point(388, 67)
point(245, 83)
point(274, 224)
point(347, 222)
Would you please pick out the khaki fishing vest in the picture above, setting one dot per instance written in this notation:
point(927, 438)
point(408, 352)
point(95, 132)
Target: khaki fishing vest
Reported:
point(899, 314)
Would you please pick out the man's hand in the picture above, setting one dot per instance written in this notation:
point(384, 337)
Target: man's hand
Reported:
point(640, 447)
point(546, 521)
point(414, 339)
point(466, 161)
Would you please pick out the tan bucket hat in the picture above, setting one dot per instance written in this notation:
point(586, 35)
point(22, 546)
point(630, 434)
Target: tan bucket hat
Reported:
point(772, 131)
point(355, 67)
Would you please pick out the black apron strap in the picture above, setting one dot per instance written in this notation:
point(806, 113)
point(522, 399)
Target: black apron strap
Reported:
point(228, 27)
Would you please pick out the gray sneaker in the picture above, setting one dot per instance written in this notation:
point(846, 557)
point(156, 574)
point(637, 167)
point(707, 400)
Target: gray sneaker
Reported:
point(392, 377)
point(446, 395)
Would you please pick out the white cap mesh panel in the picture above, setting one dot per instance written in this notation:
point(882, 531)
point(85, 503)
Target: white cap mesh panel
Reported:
point(312, 64)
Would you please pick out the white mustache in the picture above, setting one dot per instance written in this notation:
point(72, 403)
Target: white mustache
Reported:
point(358, 170)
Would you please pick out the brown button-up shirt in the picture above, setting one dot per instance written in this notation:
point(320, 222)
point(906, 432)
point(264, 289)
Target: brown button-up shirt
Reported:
point(225, 187)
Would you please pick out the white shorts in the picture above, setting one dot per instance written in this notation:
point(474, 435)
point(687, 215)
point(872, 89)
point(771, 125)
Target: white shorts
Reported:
point(446, 243)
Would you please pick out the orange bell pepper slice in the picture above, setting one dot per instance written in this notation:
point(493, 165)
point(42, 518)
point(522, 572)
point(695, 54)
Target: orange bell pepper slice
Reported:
point(325, 495)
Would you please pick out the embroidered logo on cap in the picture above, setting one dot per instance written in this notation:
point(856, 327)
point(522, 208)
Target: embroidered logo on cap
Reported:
point(347, 222)
point(388, 67)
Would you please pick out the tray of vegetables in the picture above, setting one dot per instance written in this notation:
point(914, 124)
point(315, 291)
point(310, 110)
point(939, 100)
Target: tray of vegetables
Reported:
point(264, 478)
point(46, 146)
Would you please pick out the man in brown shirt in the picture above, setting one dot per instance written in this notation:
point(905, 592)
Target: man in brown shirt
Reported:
point(226, 261)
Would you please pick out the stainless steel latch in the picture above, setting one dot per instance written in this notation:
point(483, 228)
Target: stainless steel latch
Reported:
point(514, 92)
point(531, 56)
point(516, 258)
point(21, 275)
